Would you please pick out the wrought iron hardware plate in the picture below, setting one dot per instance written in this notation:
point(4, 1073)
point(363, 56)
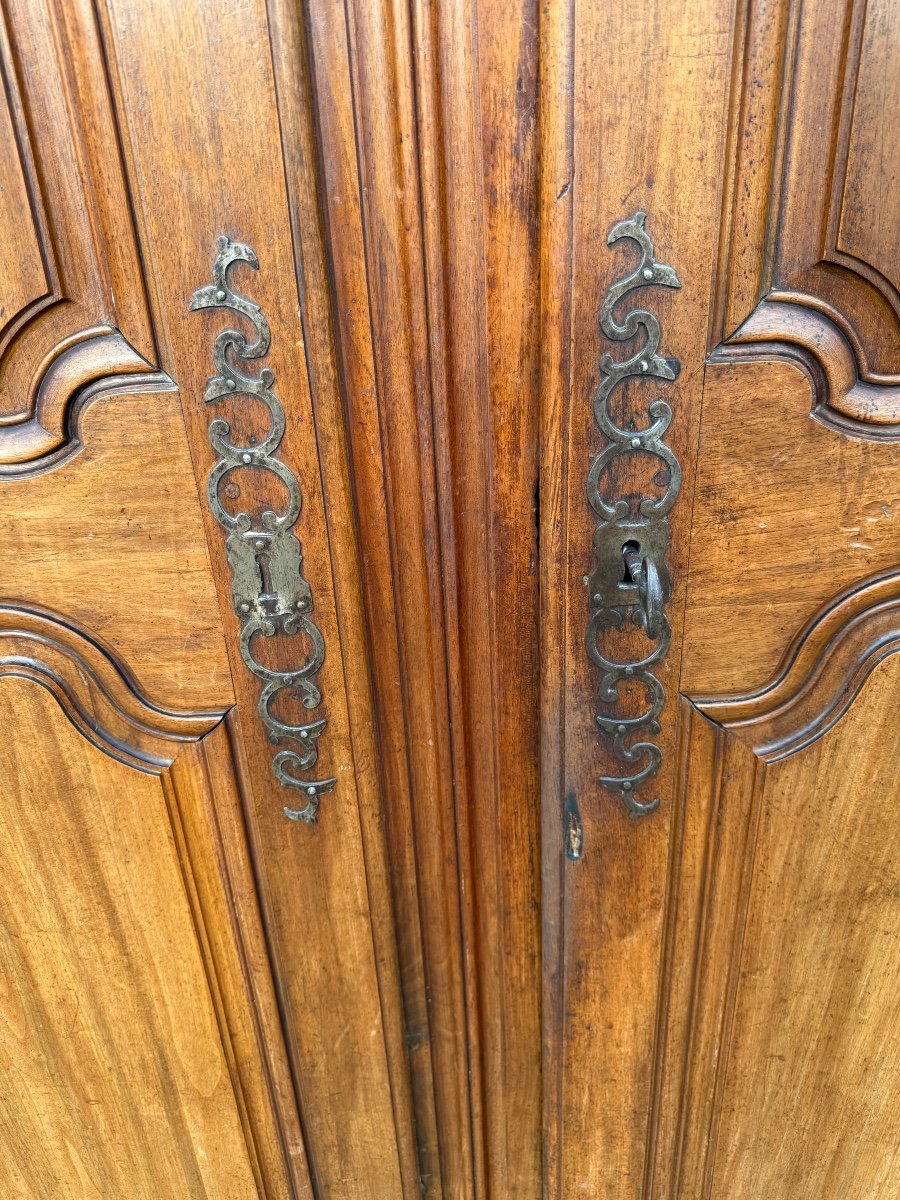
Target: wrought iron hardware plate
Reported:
point(613, 598)
point(268, 588)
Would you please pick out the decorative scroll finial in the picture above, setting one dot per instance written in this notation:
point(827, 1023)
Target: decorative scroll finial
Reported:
point(629, 535)
point(266, 559)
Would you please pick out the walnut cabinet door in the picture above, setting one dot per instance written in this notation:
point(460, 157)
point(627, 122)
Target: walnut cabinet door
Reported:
point(449, 581)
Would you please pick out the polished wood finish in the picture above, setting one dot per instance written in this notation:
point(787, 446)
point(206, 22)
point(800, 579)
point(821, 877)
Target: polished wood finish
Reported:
point(77, 320)
point(788, 515)
point(803, 204)
point(324, 888)
point(603, 912)
point(781, 920)
point(820, 951)
point(130, 981)
point(430, 190)
point(135, 570)
point(119, 1084)
point(474, 977)
point(821, 674)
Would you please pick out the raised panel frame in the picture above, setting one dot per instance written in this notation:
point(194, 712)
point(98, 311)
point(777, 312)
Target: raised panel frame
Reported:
point(87, 331)
point(785, 287)
point(197, 759)
point(727, 745)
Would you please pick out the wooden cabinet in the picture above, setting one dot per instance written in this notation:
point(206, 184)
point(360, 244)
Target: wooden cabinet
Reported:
point(370, 825)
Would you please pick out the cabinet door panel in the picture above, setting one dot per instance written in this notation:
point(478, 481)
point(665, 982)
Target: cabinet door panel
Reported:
point(115, 1080)
point(139, 135)
point(313, 316)
point(633, 102)
point(781, 1067)
point(783, 543)
point(812, 1067)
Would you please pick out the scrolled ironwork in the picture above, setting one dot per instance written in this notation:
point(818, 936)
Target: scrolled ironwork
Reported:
point(634, 535)
point(269, 591)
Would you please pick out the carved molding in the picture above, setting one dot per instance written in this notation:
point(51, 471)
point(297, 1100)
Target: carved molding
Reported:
point(83, 367)
point(385, 217)
point(822, 672)
point(798, 330)
point(207, 806)
point(788, 287)
point(94, 690)
point(79, 324)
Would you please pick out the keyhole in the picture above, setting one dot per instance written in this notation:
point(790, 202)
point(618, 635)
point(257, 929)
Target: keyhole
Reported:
point(629, 547)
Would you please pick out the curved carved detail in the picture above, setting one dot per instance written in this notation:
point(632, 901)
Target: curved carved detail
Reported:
point(802, 275)
point(90, 363)
point(812, 340)
point(76, 281)
point(95, 691)
point(822, 672)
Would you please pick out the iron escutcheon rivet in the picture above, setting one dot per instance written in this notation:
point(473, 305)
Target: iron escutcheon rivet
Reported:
point(230, 384)
point(620, 729)
point(647, 272)
point(220, 295)
point(636, 443)
point(245, 458)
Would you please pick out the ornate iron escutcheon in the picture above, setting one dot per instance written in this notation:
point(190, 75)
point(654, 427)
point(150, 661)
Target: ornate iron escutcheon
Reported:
point(268, 588)
point(630, 580)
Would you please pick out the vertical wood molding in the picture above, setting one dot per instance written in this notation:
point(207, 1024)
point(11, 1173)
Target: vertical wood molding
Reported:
point(506, 841)
point(208, 822)
point(435, 346)
point(557, 180)
point(478, 156)
point(363, 106)
point(358, 492)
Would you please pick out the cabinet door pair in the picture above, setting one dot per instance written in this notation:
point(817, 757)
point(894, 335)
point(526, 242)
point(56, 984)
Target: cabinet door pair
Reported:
point(449, 581)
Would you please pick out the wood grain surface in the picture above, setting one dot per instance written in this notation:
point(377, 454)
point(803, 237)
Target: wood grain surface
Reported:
point(114, 541)
point(618, 138)
point(115, 1079)
point(788, 514)
point(814, 1036)
point(474, 978)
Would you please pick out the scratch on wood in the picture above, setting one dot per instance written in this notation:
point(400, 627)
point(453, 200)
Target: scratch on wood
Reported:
point(574, 837)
